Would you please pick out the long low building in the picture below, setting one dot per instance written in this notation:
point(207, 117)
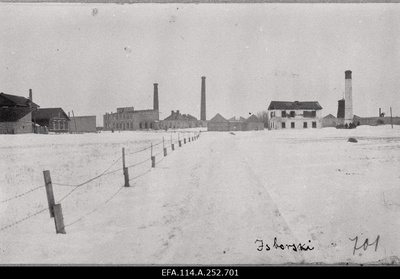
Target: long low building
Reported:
point(130, 119)
point(375, 121)
point(83, 124)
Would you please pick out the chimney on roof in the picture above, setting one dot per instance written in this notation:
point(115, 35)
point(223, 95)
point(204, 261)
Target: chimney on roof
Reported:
point(30, 95)
point(30, 98)
point(203, 99)
point(155, 100)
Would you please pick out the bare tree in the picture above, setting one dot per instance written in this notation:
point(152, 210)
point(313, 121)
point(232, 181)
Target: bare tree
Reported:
point(263, 116)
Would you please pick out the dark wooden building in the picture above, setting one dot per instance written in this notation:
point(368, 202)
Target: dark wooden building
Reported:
point(16, 114)
point(55, 119)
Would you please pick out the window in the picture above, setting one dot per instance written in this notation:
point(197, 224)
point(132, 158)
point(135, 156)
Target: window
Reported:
point(292, 114)
point(305, 125)
point(283, 113)
point(292, 125)
point(283, 125)
point(314, 124)
point(140, 125)
point(309, 114)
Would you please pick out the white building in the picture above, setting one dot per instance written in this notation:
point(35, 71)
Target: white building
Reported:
point(294, 115)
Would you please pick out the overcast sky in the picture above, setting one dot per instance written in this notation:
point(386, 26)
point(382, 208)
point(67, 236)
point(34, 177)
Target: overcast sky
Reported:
point(93, 58)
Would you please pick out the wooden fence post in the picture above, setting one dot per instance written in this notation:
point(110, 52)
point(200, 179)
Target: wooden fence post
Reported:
point(49, 191)
point(125, 169)
point(58, 219)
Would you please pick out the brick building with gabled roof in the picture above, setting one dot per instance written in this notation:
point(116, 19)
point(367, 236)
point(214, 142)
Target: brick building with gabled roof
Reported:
point(178, 121)
point(55, 119)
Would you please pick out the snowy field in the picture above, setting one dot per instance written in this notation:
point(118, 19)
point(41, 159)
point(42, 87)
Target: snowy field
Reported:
point(214, 200)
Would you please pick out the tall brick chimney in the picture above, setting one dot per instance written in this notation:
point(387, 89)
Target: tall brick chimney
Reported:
point(348, 96)
point(155, 101)
point(203, 99)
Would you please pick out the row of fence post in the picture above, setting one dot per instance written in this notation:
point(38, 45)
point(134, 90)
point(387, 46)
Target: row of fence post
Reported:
point(56, 210)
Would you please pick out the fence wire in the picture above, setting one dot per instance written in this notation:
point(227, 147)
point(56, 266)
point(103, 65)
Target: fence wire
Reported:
point(138, 151)
point(106, 201)
point(22, 194)
point(90, 180)
point(96, 209)
point(23, 219)
point(76, 186)
point(136, 164)
point(140, 175)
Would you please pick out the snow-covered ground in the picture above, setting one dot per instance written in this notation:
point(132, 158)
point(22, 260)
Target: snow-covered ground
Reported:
point(211, 201)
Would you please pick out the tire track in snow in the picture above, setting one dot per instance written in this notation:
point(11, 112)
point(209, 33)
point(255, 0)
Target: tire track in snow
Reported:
point(230, 210)
point(280, 220)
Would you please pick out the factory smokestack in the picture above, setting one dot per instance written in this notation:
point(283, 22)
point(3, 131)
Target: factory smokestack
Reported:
point(155, 101)
point(348, 96)
point(203, 99)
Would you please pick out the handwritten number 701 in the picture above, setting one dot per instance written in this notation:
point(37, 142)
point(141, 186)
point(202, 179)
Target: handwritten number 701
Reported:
point(365, 245)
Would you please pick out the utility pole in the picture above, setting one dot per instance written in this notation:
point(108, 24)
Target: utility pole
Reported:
point(391, 117)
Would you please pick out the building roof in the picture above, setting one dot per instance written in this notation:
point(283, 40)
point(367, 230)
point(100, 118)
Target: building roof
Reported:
point(13, 114)
point(218, 118)
point(330, 116)
point(18, 100)
point(296, 105)
point(181, 117)
point(253, 118)
point(48, 113)
point(238, 119)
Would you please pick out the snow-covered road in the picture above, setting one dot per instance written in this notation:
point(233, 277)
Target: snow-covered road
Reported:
point(218, 200)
